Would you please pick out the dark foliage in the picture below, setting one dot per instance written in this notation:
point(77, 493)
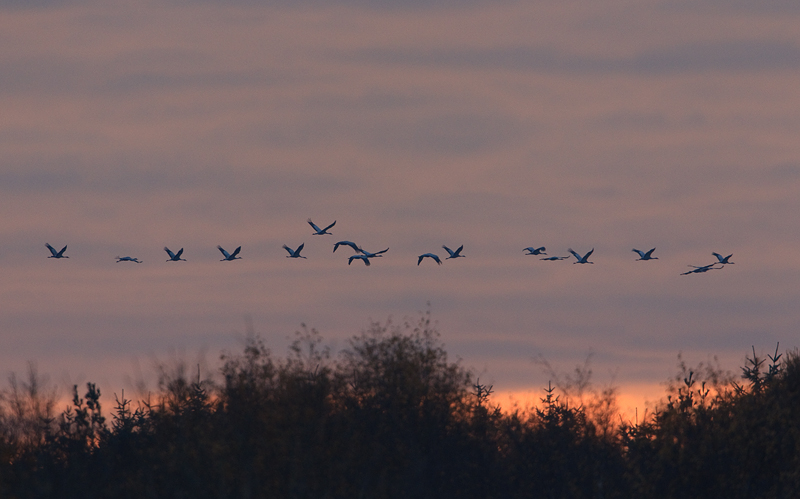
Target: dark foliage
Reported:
point(393, 417)
point(744, 441)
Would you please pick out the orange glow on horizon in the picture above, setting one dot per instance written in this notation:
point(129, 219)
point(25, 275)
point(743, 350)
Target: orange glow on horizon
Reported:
point(632, 400)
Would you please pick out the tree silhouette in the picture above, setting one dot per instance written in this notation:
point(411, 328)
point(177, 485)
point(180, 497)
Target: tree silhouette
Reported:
point(392, 416)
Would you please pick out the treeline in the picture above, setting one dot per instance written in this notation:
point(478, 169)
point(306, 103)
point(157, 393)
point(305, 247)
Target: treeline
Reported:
point(393, 417)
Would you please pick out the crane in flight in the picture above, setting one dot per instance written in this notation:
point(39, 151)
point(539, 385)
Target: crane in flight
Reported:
point(555, 258)
point(56, 254)
point(346, 243)
point(368, 254)
point(723, 260)
point(645, 256)
point(229, 257)
point(454, 254)
point(174, 257)
point(321, 232)
point(363, 258)
point(536, 251)
point(429, 255)
point(700, 270)
point(294, 253)
point(581, 259)
point(127, 259)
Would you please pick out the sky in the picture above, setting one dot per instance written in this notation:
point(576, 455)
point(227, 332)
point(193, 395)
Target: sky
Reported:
point(496, 124)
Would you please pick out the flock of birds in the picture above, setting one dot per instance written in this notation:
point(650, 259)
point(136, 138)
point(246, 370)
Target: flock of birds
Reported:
point(365, 256)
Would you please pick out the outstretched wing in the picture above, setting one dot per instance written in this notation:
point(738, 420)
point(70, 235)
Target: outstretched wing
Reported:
point(291, 253)
point(61, 253)
point(313, 225)
point(649, 253)
point(328, 227)
point(179, 253)
point(458, 251)
point(358, 257)
point(224, 253)
point(170, 253)
point(52, 249)
point(451, 252)
point(435, 257)
point(586, 257)
point(420, 259)
point(345, 243)
point(381, 252)
point(299, 249)
point(574, 254)
point(641, 253)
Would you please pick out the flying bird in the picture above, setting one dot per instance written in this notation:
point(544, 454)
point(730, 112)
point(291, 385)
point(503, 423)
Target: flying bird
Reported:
point(321, 232)
point(56, 254)
point(372, 255)
point(536, 251)
point(127, 259)
point(645, 256)
point(363, 258)
point(454, 254)
point(174, 257)
point(723, 260)
point(554, 258)
point(700, 270)
point(294, 253)
point(429, 255)
point(346, 243)
point(581, 259)
point(229, 257)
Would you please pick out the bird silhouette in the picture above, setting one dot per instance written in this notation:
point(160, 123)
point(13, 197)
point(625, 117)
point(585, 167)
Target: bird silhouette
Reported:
point(581, 259)
point(372, 255)
point(723, 260)
point(429, 255)
point(127, 259)
point(229, 257)
point(535, 251)
point(294, 253)
point(363, 258)
point(645, 256)
point(346, 243)
point(174, 257)
point(454, 254)
point(56, 254)
point(321, 232)
point(700, 270)
point(554, 258)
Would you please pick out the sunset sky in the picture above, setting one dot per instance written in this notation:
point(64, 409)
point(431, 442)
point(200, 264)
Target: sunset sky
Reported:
point(127, 126)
